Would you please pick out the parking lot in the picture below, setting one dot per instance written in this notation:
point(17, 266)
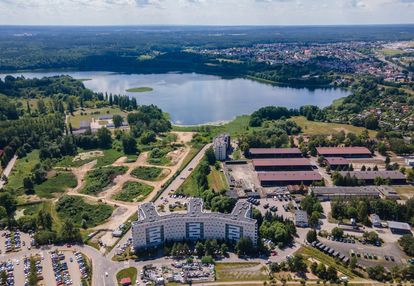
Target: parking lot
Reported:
point(284, 205)
point(388, 254)
point(14, 241)
point(52, 267)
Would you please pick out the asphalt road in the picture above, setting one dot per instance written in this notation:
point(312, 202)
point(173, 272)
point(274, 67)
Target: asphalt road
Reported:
point(7, 171)
point(177, 182)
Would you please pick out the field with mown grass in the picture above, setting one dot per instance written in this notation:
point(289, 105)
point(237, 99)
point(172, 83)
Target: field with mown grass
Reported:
point(324, 128)
point(89, 113)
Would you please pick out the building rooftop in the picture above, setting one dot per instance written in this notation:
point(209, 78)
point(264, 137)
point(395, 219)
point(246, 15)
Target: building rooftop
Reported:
point(371, 175)
point(398, 225)
point(274, 151)
point(281, 162)
point(345, 190)
point(301, 216)
point(148, 213)
point(290, 176)
point(343, 150)
point(336, 161)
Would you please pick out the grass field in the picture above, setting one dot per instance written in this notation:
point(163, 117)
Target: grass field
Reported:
point(234, 127)
point(79, 210)
point(133, 192)
point(140, 89)
point(98, 179)
point(327, 260)
point(405, 191)
point(216, 180)
point(189, 187)
point(149, 173)
point(130, 272)
point(22, 169)
point(57, 184)
point(109, 156)
point(244, 271)
point(323, 128)
point(89, 113)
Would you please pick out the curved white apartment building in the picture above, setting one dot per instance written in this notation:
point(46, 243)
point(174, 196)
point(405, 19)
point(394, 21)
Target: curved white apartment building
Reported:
point(153, 229)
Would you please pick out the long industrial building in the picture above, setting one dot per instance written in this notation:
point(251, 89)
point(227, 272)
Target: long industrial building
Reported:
point(152, 229)
point(368, 177)
point(278, 164)
point(272, 179)
point(345, 193)
point(344, 152)
point(257, 153)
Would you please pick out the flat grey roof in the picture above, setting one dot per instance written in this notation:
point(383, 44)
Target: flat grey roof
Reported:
point(241, 212)
point(366, 190)
point(399, 225)
point(371, 175)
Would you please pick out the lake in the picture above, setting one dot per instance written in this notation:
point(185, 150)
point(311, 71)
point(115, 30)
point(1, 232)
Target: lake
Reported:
point(192, 99)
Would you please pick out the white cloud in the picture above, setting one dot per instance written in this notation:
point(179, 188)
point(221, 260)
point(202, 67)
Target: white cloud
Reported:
point(277, 12)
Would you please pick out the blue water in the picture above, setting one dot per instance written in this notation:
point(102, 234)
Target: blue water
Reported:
point(196, 98)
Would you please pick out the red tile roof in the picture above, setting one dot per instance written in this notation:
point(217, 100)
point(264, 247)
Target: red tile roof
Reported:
point(274, 151)
point(281, 162)
point(336, 161)
point(290, 176)
point(371, 175)
point(343, 150)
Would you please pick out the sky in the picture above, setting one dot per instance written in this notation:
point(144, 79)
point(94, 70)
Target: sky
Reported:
point(205, 12)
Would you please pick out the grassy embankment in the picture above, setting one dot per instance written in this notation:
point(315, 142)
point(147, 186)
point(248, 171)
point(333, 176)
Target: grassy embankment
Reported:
point(149, 173)
point(140, 89)
point(133, 192)
point(309, 252)
point(130, 272)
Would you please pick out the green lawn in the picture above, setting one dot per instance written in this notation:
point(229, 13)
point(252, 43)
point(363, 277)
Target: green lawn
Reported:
point(130, 272)
point(216, 180)
point(133, 192)
point(57, 184)
point(323, 128)
point(148, 173)
point(98, 179)
point(189, 187)
point(140, 89)
point(78, 210)
point(22, 169)
point(89, 113)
